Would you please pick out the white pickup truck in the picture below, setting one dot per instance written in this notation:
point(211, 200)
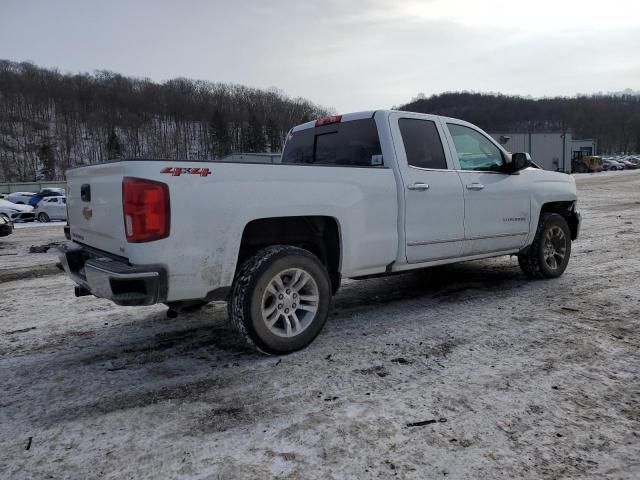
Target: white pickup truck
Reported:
point(357, 195)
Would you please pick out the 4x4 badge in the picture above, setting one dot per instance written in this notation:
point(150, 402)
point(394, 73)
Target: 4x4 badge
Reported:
point(177, 171)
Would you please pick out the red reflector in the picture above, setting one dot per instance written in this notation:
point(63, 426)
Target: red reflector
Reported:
point(145, 204)
point(328, 120)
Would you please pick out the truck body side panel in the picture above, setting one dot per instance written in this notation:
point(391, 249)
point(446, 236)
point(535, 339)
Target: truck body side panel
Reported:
point(209, 214)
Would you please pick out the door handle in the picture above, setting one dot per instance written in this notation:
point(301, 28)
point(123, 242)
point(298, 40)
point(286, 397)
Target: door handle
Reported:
point(418, 186)
point(475, 186)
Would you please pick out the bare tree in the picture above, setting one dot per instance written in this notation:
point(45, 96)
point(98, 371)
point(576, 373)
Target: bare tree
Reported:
point(50, 122)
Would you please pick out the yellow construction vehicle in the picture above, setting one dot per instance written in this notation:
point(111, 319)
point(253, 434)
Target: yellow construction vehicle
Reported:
point(586, 163)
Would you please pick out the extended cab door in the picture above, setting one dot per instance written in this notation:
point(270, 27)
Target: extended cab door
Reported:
point(434, 200)
point(497, 204)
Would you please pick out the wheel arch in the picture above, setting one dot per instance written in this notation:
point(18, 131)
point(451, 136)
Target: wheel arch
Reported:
point(565, 208)
point(321, 235)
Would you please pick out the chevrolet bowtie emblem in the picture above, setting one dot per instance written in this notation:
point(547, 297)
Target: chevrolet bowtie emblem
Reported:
point(87, 213)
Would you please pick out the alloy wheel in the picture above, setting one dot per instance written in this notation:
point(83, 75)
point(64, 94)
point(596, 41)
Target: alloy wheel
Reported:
point(554, 248)
point(290, 302)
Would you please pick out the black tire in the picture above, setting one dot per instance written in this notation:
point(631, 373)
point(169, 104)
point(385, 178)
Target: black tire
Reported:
point(245, 305)
point(43, 217)
point(533, 261)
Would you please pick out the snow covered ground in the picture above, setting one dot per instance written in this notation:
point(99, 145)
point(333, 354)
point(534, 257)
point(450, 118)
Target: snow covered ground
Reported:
point(37, 224)
point(470, 371)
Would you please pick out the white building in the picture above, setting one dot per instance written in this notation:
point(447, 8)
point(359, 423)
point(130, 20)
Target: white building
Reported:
point(552, 150)
point(583, 146)
point(549, 150)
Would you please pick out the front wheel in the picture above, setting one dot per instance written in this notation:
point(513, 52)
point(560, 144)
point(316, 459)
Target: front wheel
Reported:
point(280, 299)
point(43, 217)
point(548, 255)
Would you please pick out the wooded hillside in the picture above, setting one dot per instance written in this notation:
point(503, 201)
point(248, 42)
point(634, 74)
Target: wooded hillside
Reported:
point(51, 121)
point(613, 119)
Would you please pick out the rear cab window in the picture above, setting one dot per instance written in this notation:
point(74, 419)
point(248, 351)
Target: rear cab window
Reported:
point(353, 143)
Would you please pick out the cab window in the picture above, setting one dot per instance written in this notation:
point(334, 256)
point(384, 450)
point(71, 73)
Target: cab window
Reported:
point(422, 143)
point(353, 143)
point(475, 151)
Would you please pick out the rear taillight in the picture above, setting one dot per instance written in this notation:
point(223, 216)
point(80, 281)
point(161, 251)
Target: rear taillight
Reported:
point(328, 120)
point(145, 204)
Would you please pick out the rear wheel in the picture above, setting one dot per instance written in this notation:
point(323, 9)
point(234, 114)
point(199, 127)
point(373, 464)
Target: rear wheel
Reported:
point(280, 299)
point(548, 255)
point(43, 217)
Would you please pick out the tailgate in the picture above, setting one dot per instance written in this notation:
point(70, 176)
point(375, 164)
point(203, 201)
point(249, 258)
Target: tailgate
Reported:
point(94, 203)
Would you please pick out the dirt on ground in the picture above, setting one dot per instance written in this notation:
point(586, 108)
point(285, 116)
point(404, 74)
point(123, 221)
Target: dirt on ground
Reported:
point(468, 371)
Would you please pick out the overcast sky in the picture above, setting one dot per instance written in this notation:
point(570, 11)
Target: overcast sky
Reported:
point(349, 55)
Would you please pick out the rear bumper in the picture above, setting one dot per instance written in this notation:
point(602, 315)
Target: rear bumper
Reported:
point(107, 277)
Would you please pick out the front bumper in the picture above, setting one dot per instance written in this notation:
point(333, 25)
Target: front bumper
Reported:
point(578, 223)
point(112, 278)
point(23, 217)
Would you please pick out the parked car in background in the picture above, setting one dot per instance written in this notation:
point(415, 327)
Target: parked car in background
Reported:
point(20, 198)
point(44, 193)
point(51, 208)
point(16, 212)
point(6, 225)
point(627, 164)
point(612, 165)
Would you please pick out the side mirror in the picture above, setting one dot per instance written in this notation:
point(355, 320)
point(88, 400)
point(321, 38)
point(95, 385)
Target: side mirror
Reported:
point(519, 161)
